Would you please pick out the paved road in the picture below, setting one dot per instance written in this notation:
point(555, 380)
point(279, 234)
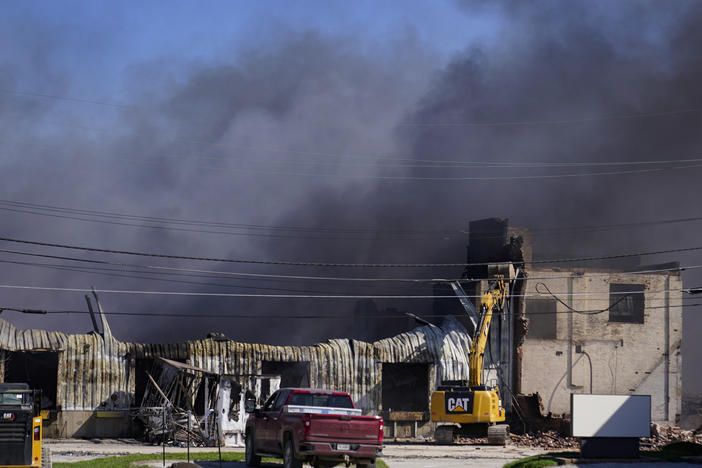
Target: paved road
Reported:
point(454, 456)
point(396, 455)
point(412, 455)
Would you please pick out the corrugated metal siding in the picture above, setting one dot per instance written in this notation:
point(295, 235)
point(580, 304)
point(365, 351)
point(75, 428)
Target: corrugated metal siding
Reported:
point(93, 368)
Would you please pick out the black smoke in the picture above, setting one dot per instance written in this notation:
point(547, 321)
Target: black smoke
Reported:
point(361, 144)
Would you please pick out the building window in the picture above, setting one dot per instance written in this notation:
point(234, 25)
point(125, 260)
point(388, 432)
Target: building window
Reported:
point(39, 369)
point(292, 373)
point(626, 302)
point(542, 319)
point(405, 386)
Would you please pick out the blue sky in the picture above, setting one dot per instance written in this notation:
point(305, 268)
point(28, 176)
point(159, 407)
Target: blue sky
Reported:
point(100, 40)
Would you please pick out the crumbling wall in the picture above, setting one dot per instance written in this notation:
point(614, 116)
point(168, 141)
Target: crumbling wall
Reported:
point(593, 353)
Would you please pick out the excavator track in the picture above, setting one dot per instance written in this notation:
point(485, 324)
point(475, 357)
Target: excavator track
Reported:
point(443, 435)
point(498, 434)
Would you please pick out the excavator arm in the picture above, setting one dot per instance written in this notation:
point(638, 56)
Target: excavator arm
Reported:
point(492, 301)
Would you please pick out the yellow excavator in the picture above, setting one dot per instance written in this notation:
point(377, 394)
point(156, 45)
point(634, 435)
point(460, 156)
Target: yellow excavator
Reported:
point(475, 409)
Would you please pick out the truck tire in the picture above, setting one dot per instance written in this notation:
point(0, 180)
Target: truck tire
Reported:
point(45, 457)
point(366, 465)
point(289, 460)
point(498, 434)
point(320, 464)
point(251, 458)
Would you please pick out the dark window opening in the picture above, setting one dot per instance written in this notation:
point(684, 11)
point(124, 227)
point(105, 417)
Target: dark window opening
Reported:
point(626, 302)
point(39, 369)
point(141, 380)
point(542, 319)
point(292, 373)
point(206, 394)
point(405, 387)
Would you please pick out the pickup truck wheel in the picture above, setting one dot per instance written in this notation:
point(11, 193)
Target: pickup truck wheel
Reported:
point(289, 460)
point(251, 458)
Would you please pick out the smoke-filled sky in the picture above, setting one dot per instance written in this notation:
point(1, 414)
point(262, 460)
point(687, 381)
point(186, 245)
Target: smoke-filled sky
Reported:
point(334, 132)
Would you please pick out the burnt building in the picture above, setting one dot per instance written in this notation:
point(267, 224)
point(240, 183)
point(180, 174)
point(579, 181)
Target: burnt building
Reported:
point(565, 330)
point(94, 382)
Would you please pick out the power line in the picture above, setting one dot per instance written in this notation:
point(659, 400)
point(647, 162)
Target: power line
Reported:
point(260, 276)
point(396, 236)
point(403, 161)
point(65, 98)
point(383, 316)
point(60, 211)
point(348, 175)
point(229, 273)
point(191, 222)
point(340, 265)
point(115, 273)
point(313, 296)
point(634, 115)
point(513, 123)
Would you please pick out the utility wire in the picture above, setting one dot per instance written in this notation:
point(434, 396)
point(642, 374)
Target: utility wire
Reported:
point(258, 276)
point(219, 224)
point(263, 276)
point(513, 123)
point(61, 211)
point(347, 175)
point(589, 312)
point(384, 316)
point(115, 273)
point(313, 296)
point(66, 98)
point(138, 275)
point(345, 265)
point(633, 115)
point(228, 233)
point(379, 160)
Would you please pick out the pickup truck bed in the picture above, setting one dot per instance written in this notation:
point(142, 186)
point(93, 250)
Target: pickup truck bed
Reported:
point(293, 425)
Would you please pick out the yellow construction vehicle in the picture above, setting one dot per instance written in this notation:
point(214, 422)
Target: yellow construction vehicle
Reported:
point(21, 444)
point(476, 408)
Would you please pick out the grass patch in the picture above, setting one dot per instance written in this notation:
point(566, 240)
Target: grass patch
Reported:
point(130, 461)
point(538, 461)
point(675, 451)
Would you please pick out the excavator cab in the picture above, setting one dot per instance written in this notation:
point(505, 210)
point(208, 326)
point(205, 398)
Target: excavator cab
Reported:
point(20, 428)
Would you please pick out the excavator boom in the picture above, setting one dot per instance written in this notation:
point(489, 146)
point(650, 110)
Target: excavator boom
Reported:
point(492, 300)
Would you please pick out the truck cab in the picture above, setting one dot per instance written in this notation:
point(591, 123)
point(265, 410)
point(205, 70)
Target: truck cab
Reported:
point(320, 427)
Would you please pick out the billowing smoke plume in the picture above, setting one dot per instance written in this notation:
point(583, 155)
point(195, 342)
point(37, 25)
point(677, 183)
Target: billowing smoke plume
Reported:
point(370, 148)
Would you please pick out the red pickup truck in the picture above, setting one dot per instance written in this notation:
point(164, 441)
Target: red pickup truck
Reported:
point(319, 427)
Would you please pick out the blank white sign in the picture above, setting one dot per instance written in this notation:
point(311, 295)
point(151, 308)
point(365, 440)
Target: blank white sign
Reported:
point(610, 415)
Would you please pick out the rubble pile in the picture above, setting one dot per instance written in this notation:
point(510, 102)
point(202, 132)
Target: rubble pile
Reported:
point(664, 435)
point(660, 437)
point(544, 439)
